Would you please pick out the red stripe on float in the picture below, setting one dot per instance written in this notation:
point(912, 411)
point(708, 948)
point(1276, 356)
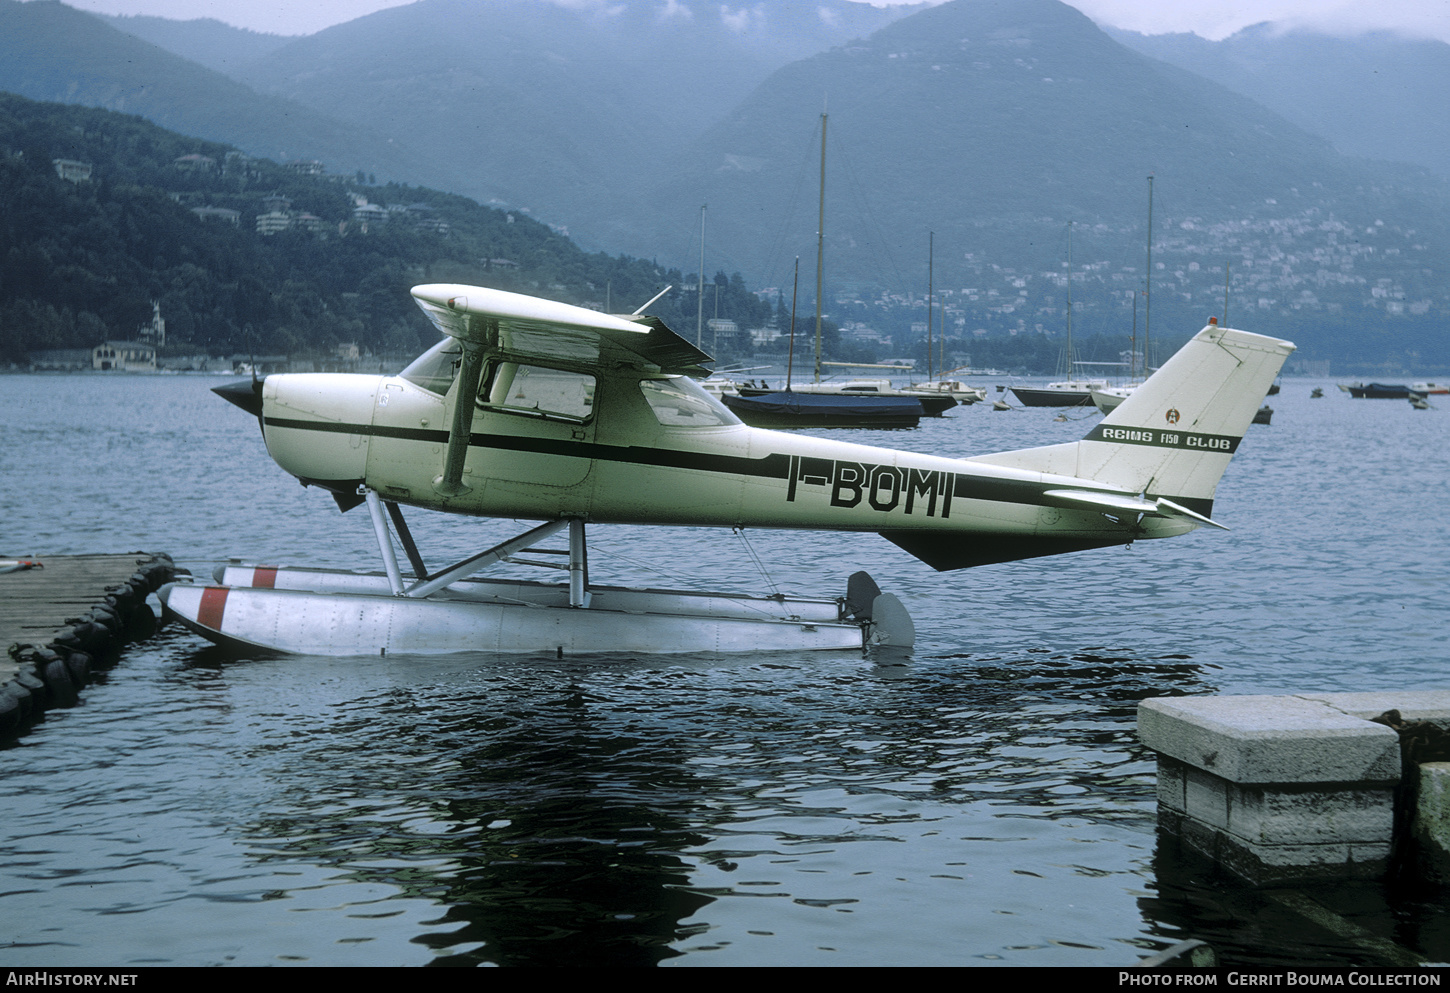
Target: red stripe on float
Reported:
point(213, 605)
point(264, 577)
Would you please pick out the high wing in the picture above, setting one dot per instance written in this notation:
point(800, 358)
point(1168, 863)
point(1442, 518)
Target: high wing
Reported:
point(488, 321)
point(528, 327)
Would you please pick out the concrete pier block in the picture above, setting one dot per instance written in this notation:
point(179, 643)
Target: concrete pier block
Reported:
point(1431, 826)
point(1284, 789)
point(1270, 739)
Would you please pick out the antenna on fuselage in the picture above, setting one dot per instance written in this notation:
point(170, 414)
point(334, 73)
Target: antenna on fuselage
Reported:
point(652, 299)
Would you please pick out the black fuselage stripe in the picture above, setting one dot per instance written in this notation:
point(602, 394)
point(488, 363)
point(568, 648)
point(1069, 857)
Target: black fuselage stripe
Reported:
point(770, 466)
point(774, 466)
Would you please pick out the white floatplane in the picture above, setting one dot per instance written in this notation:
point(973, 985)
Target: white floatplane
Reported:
point(539, 410)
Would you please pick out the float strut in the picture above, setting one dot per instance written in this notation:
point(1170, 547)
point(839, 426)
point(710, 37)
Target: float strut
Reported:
point(385, 540)
point(578, 565)
point(406, 537)
point(483, 560)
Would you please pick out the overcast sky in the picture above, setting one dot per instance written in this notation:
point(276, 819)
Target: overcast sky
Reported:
point(1210, 18)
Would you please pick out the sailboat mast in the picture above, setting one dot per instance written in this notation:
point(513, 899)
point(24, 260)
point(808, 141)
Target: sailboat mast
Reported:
point(930, 258)
point(820, 247)
point(1226, 276)
point(941, 343)
point(790, 354)
point(1133, 341)
point(1070, 365)
point(1148, 296)
point(700, 303)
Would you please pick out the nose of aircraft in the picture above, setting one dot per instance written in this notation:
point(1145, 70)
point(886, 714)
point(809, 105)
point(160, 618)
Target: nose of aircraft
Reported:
point(246, 394)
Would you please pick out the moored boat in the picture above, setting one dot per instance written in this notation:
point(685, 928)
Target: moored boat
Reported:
point(1377, 391)
point(932, 405)
point(798, 409)
point(954, 388)
point(1108, 398)
point(1066, 393)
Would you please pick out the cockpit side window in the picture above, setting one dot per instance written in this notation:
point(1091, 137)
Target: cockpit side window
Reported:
point(526, 389)
point(681, 403)
point(436, 368)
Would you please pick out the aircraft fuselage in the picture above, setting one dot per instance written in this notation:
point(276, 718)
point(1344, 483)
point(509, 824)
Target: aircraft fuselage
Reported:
point(608, 457)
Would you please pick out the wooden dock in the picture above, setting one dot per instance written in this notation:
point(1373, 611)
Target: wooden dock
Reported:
point(78, 609)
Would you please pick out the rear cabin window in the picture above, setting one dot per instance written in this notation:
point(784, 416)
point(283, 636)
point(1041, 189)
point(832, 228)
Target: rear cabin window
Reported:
point(682, 403)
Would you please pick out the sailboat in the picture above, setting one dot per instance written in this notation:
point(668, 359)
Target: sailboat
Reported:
point(819, 404)
point(939, 387)
point(1108, 397)
point(1070, 392)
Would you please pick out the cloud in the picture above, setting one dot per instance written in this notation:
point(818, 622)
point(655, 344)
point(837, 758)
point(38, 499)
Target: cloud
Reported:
point(742, 20)
point(1217, 19)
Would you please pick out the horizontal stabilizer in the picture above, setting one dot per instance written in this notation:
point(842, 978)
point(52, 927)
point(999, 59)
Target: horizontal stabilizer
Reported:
point(1093, 500)
point(1168, 508)
point(1113, 502)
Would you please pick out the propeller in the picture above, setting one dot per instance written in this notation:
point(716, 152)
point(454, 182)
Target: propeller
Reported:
point(246, 394)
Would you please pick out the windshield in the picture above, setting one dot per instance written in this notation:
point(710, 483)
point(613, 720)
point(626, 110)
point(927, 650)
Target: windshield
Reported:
point(436, 368)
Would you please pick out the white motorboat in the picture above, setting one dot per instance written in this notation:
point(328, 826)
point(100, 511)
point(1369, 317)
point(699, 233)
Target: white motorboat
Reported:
point(954, 388)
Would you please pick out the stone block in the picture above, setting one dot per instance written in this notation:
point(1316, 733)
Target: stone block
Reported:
point(1280, 864)
point(1270, 739)
point(1272, 834)
point(1268, 815)
point(1172, 782)
point(1431, 827)
point(1416, 705)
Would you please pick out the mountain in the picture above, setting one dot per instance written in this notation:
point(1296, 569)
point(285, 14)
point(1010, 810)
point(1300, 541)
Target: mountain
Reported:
point(1375, 95)
point(684, 62)
point(993, 123)
point(1010, 115)
point(205, 41)
point(550, 106)
point(246, 255)
point(49, 51)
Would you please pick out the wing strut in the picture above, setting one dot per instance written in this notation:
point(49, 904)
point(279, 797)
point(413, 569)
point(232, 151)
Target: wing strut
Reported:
point(450, 483)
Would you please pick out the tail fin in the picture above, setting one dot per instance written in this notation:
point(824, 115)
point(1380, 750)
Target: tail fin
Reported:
point(1172, 438)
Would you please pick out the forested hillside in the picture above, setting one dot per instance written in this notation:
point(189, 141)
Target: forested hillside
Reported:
point(84, 259)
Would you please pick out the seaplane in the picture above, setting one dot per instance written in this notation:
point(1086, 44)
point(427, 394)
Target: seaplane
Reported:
point(539, 411)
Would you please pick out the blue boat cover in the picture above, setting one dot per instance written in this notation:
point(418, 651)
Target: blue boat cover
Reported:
point(831, 405)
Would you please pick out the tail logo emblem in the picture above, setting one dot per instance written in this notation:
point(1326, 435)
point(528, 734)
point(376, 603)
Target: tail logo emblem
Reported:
point(1172, 415)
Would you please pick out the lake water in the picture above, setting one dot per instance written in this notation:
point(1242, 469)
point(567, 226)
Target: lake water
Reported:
point(984, 801)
